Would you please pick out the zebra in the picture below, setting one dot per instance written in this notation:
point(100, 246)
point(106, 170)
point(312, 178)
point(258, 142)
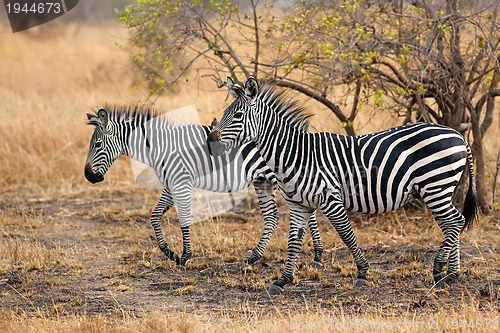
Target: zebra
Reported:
point(372, 173)
point(180, 160)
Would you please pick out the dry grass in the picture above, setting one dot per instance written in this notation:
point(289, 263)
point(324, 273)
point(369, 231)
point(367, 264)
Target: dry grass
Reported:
point(76, 257)
point(67, 268)
point(256, 322)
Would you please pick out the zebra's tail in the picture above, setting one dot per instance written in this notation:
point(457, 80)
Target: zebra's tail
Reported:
point(471, 208)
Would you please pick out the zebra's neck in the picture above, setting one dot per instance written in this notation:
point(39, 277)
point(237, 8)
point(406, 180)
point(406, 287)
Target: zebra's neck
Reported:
point(273, 140)
point(139, 138)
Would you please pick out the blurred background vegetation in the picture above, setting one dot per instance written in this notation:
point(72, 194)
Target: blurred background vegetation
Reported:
point(359, 66)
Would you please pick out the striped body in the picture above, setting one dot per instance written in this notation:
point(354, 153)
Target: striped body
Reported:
point(373, 173)
point(181, 161)
point(179, 154)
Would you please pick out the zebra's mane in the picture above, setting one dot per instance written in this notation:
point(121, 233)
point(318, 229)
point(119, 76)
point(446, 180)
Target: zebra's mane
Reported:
point(136, 114)
point(284, 107)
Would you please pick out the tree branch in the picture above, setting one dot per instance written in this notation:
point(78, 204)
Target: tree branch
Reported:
point(326, 102)
point(217, 34)
point(257, 38)
point(356, 100)
point(172, 82)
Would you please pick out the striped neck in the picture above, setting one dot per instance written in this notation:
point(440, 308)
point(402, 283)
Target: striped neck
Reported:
point(273, 139)
point(136, 134)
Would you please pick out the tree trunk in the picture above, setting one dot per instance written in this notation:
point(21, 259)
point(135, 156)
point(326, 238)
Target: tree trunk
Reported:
point(480, 167)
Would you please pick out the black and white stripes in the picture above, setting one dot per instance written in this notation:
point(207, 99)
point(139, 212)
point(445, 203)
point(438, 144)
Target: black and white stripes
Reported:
point(181, 161)
point(373, 173)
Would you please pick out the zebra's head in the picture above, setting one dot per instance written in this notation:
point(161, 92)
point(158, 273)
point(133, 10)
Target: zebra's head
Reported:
point(236, 126)
point(104, 147)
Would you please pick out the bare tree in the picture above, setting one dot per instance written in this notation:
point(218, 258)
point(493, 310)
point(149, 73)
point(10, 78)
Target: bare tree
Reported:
point(219, 37)
point(435, 61)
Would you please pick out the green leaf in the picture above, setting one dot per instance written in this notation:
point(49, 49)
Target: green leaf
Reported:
point(345, 124)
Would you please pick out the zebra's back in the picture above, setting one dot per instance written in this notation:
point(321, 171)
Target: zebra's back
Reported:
point(380, 172)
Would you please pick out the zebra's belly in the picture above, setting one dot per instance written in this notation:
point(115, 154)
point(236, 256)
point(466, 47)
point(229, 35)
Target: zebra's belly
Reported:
point(378, 201)
point(219, 182)
point(308, 197)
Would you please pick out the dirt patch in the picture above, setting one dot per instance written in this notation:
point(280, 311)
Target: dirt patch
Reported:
point(100, 258)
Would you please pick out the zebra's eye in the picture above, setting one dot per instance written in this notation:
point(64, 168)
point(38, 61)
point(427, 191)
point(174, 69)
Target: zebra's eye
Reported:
point(98, 144)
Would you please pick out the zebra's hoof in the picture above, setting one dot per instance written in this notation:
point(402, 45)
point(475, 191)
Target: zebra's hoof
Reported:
point(441, 284)
point(452, 278)
point(360, 283)
point(252, 260)
point(316, 264)
point(440, 280)
point(177, 259)
point(181, 267)
point(275, 290)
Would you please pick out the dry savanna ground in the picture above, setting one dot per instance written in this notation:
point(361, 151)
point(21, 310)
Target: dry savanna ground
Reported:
point(76, 257)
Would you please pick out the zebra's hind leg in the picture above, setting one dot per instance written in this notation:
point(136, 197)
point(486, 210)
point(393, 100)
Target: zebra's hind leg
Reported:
point(316, 237)
point(335, 212)
point(299, 216)
point(454, 263)
point(451, 222)
point(441, 278)
point(269, 210)
point(448, 254)
point(163, 205)
point(454, 257)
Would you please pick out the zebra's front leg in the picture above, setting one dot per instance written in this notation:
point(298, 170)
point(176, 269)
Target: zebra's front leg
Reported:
point(316, 237)
point(335, 212)
point(299, 217)
point(269, 210)
point(163, 205)
point(182, 198)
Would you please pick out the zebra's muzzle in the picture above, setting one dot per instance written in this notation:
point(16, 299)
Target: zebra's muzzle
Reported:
point(215, 147)
point(93, 177)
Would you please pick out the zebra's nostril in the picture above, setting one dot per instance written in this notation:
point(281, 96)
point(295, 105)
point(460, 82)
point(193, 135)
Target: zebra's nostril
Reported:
point(88, 169)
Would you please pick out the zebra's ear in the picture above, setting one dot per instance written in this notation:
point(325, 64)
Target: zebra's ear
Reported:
point(251, 87)
point(102, 114)
point(93, 119)
point(234, 88)
point(229, 82)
